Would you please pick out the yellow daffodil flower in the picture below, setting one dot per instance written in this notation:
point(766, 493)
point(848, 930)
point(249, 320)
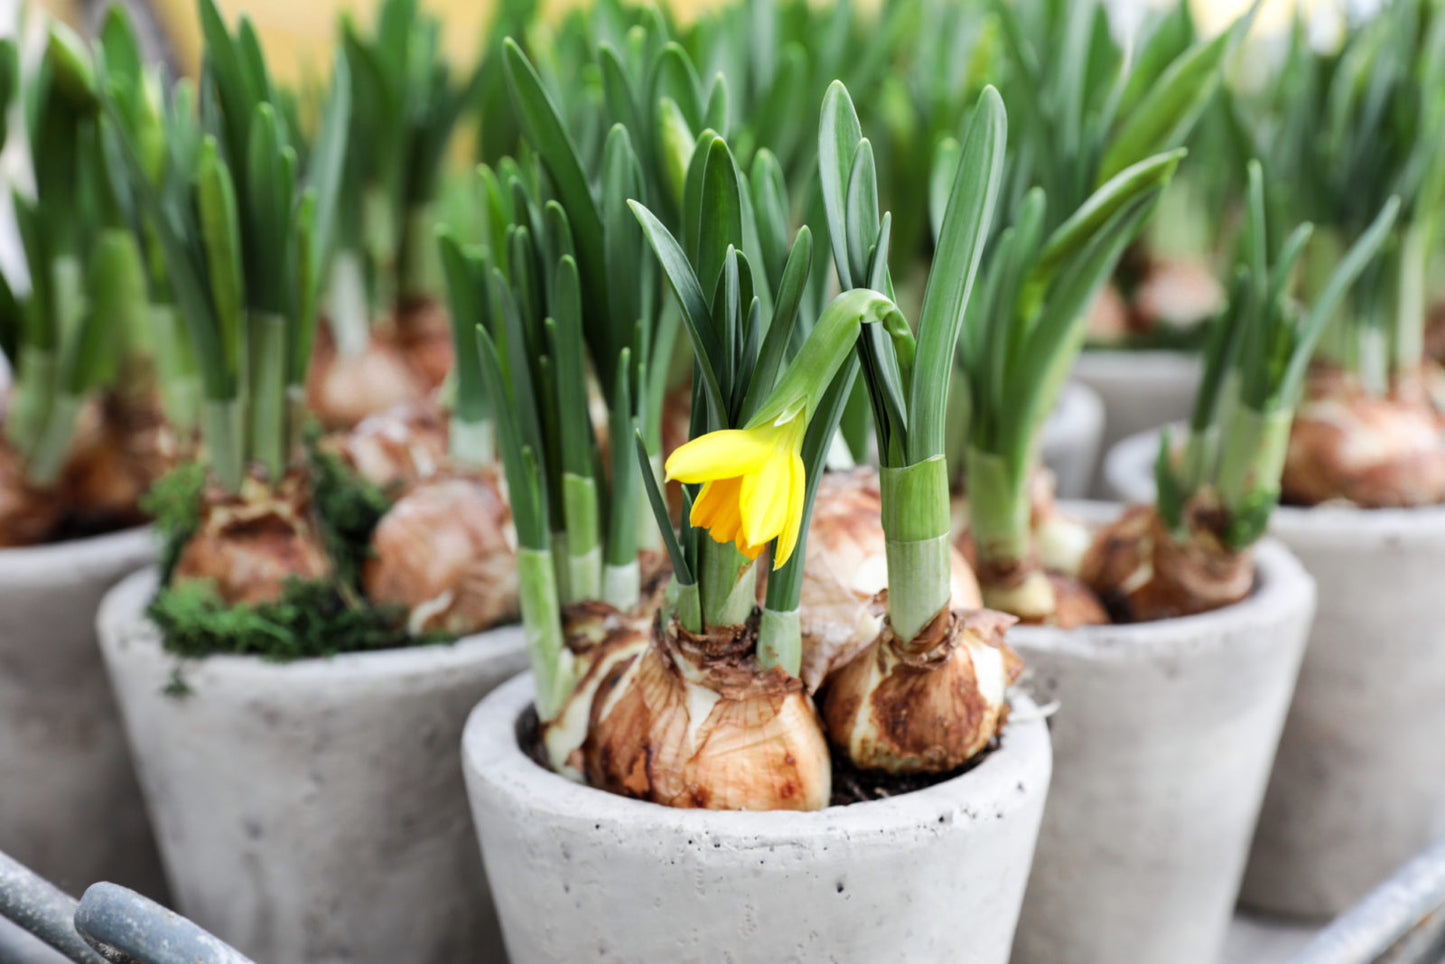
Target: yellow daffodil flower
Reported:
point(752, 484)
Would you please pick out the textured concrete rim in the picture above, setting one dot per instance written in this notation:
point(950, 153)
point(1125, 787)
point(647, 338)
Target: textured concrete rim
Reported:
point(33, 565)
point(122, 623)
point(1129, 471)
point(490, 752)
point(1280, 578)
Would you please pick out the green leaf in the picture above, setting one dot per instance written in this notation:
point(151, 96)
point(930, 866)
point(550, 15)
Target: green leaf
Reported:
point(1164, 117)
point(966, 225)
point(221, 241)
point(680, 570)
point(838, 137)
point(1365, 248)
point(721, 224)
point(695, 313)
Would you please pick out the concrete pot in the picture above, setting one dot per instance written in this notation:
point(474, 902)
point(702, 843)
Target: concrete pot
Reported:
point(1359, 785)
point(312, 811)
point(1163, 743)
point(935, 875)
point(1073, 436)
point(70, 808)
point(1140, 390)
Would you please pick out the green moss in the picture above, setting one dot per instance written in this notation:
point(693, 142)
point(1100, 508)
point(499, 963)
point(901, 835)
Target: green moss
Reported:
point(174, 502)
point(311, 619)
point(348, 507)
point(316, 618)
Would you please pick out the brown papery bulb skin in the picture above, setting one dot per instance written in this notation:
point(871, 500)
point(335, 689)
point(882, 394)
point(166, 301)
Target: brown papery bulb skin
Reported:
point(29, 515)
point(445, 552)
point(1109, 319)
point(251, 542)
point(693, 722)
point(396, 448)
point(927, 705)
point(1373, 451)
point(121, 447)
point(598, 637)
point(424, 333)
point(1142, 573)
point(341, 390)
point(846, 567)
point(1177, 293)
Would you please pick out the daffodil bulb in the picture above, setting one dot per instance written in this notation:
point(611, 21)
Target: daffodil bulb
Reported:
point(847, 566)
point(395, 448)
point(599, 638)
point(424, 334)
point(1060, 540)
point(1143, 573)
point(120, 448)
point(1178, 293)
point(29, 514)
point(692, 721)
point(250, 542)
point(344, 388)
point(1375, 451)
point(446, 552)
point(927, 705)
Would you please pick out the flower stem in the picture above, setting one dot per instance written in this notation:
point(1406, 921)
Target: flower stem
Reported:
point(542, 628)
point(621, 585)
point(222, 422)
point(780, 640)
point(584, 550)
point(999, 515)
point(728, 594)
point(916, 530)
point(268, 429)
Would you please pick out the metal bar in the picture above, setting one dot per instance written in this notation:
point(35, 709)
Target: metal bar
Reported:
point(43, 909)
point(130, 929)
point(1398, 921)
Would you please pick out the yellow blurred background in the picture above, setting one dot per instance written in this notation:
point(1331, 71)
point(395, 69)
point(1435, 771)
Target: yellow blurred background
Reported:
point(297, 33)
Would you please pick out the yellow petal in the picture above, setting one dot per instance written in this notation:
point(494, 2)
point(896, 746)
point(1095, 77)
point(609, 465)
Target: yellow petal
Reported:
point(797, 488)
point(720, 455)
point(764, 500)
point(716, 509)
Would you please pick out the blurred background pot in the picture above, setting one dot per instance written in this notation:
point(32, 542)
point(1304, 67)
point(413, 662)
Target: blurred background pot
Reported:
point(1072, 439)
point(69, 805)
point(1163, 741)
point(933, 875)
point(1140, 390)
point(1359, 785)
point(312, 810)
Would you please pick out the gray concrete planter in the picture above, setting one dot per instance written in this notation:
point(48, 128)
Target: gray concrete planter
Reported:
point(314, 810)
point(935, 875)
point(1073, 437)
point(70, 808)
point(1140, 390)
point(1359, 786)
point(1163, 742)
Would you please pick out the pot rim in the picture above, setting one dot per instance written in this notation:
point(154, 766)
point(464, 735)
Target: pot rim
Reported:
point(121, 619)
point(18, 564)
point(1154, 364)
point(1078, 411)
point(1281, 582)
point(1133, 457)
point(1008, 779)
